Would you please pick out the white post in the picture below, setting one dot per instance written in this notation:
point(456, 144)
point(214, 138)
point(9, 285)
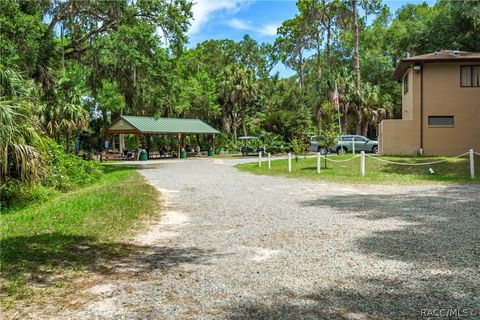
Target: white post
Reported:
point(472, 164)
point(353, 145)
point(121, 140)
point(289, 162)
point(318, 162)
point(269, 161)
point(362, 163)
point(260, 159)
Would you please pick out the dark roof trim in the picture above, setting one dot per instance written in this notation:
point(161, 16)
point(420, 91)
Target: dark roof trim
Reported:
point(442, 56)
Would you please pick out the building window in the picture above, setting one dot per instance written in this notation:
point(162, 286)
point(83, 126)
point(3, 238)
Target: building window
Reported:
point(470, 76)
point(405, 83)
point(440, 121)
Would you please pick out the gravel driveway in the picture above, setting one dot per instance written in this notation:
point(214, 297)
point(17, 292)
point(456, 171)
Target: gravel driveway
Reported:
point(239, 246)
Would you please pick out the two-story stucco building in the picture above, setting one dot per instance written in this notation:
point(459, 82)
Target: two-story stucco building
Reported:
point(440, 106)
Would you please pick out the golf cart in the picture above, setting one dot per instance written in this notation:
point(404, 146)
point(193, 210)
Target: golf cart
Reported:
point(247, 149)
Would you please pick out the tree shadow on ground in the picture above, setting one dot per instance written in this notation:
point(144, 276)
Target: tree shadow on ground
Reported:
point(40, 257)
point(372, 298)
point(437, 229)
point(435, 237)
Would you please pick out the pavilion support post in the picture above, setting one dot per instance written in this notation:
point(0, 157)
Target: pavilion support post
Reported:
point(179, 138)
point(213, 142)
point(137, 144)
point(113, 142)
point(121, 141)
point(149, 143)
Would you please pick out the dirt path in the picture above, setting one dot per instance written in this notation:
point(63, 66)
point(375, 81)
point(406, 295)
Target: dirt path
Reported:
point(237, 246)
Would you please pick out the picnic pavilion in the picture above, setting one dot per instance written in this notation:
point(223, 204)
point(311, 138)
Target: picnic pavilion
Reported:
point(149, 126)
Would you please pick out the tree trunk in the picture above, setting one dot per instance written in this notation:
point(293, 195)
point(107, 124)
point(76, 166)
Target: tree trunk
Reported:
point(319, 59)
point(328, 54)
point(365, 128)
point(302, 72)
point(235, 132)
point(359, 123)
point(319, 121)
point(345, 120)
point(356, 55)
point(244, 127)
point(68, 138)
point(301, 69)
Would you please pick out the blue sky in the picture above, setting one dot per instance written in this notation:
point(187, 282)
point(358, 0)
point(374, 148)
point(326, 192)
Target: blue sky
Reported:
point(231, 19)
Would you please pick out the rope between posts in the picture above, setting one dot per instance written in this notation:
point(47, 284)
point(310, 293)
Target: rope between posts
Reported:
point(346, 160)
point(478, 154)
point(415, 164)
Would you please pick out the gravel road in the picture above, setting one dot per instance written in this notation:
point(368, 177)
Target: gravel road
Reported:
point(233, 245)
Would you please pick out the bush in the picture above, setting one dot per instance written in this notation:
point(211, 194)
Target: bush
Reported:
point(66, 171)
point(223, 142)
point(297, 148)
point(63, 172)
point(19, 194)
point(272, 142)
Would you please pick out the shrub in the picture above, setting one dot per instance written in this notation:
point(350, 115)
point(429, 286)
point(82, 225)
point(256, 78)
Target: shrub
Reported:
point(63, 172)
point(297, 148)
point(17, 193)
point(66, 171)
point(223, 142)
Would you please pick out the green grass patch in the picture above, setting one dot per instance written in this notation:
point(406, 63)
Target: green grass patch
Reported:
point(453, 170)
point(44, 245)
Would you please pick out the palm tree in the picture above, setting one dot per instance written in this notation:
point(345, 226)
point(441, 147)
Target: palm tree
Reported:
point(238, 91)
point(349, 98)
point(374, 110)
point(64, 115)
point(19, 138)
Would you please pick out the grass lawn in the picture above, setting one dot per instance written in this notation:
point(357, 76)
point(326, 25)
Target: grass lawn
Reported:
point(451, 171)
point(46, 247)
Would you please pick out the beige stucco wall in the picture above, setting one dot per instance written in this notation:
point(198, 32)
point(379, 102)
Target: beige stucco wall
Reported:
point(402, 136)
point(398, 137)
point(407, 98)
point(443, 96)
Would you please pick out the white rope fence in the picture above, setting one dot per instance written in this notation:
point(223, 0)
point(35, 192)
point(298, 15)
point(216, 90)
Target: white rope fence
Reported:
point(415, 164)
point(340, 161)
point(363, 156)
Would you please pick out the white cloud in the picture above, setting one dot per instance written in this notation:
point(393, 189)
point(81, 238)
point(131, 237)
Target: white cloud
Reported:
point(204, 10)
point(266, 29)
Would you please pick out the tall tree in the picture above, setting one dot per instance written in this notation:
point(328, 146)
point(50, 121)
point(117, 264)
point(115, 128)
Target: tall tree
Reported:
point(292, 42)
point(238, 91)
point(356, 53)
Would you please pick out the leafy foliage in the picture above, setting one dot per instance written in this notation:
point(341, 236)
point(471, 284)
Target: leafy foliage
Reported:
point(70, 67)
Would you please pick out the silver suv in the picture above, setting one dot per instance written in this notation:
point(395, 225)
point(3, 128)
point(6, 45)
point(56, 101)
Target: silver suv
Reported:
point(344, 144)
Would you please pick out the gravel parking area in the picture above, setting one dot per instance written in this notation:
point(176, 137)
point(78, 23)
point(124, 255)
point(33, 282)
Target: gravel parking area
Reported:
point(233, 245)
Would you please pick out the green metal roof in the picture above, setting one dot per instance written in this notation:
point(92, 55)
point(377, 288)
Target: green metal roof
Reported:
point(168, 125)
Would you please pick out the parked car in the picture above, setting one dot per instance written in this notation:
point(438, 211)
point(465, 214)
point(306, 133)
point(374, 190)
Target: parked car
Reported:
point(345, 144)
point(248, 149)
point(317, 144)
